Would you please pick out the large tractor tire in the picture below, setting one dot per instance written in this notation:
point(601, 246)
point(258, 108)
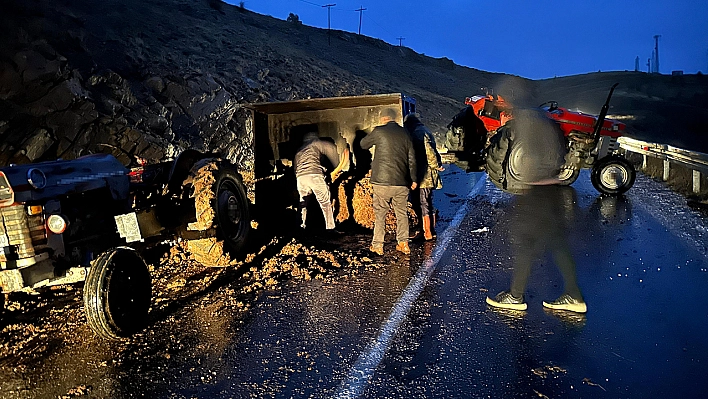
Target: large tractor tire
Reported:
point(613, 175)
point(117, 294)
point(221, 207)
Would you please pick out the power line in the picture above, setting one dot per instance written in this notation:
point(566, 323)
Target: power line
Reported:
point(380, 26)
point(359, 10)
point(309, 2)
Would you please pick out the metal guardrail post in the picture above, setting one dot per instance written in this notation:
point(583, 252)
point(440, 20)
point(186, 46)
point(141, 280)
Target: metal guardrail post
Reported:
point(667, 169)
point(696, 182)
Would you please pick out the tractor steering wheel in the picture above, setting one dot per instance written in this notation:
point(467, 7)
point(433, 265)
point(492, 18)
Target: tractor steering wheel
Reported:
point(552, 105)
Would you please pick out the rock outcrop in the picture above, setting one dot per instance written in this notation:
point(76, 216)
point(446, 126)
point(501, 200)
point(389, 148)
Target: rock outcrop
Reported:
point(148, 78)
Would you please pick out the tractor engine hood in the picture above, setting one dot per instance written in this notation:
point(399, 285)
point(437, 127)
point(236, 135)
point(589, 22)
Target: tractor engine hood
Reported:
point(49, 180)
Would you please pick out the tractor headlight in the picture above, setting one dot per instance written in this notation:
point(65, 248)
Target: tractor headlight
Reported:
point(56, 224)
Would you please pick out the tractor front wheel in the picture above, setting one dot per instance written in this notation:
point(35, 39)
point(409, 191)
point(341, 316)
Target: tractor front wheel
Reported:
point(613, 175)
point(117, 293)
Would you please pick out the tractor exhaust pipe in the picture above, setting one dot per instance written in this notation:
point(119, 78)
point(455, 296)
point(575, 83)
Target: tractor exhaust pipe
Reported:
point(603, 114)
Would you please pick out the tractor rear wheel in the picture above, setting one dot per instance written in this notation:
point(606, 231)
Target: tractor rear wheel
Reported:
point(613, 175)
point(221, 205)
point(117, 293)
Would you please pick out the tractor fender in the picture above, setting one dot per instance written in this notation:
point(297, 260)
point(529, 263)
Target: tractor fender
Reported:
point(181, 167)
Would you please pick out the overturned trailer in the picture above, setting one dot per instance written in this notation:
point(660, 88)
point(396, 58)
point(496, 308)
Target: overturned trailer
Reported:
point(88, 219)
point(277, 131)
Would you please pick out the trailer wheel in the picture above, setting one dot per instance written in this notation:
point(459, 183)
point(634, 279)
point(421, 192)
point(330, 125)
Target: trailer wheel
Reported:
point(613, 175)
point(221, 204)
point(117, 293)
point(568, 176)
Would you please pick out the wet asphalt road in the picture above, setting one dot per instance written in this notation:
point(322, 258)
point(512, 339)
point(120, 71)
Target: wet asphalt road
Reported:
point(420, 328)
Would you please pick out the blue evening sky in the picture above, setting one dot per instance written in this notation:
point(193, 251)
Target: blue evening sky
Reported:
point(532, 39)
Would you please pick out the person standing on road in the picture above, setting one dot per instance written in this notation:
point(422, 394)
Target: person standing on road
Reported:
point(428, 164)
point(525, 158)
point(310, 174)
point(539, 225)
point(467, 139)
point(393, 172)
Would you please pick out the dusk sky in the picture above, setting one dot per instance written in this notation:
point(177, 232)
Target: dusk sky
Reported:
point(532, 39)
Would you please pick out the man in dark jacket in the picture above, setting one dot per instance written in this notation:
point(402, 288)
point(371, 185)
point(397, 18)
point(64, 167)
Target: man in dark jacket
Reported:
point(525, 157)
point(467, 139)
point(429, 165)
point(527, 150)
point(393, 172)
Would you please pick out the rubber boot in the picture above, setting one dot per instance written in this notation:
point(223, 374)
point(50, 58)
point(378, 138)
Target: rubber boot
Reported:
point(416, 230)
point(427, 233)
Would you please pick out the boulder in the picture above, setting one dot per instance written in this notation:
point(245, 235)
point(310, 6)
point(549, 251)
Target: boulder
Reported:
point(38, 143)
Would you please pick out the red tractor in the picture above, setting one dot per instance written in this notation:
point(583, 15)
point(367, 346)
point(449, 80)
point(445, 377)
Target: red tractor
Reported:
point(592, 141)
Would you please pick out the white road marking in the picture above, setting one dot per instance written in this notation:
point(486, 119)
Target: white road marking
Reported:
point(365, 366)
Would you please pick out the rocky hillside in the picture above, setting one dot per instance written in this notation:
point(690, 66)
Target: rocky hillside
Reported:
point(146, 78)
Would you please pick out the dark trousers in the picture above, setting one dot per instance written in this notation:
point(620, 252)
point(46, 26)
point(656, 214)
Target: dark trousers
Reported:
point(538, 227)
point(422, 201)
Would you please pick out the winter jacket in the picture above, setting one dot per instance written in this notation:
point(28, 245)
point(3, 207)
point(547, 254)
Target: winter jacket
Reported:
point(466, 138)
point(528, 149)
point(427, 157)
point(393, 163)
point(308, 160)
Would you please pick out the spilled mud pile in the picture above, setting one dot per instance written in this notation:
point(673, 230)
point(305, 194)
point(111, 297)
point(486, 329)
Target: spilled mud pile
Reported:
point(360, 206)
point(36, 326)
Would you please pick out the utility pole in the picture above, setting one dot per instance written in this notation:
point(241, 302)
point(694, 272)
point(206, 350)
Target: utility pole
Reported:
point(656, 53)
point(329, 7)
point(361, 12)
point(400, 41)
point(636, 64)
point(648, 65)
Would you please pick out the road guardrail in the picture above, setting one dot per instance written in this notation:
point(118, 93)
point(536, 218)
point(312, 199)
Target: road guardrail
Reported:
point(697, 162)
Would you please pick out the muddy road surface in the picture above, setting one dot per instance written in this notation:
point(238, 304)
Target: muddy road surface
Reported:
point(321, 317)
